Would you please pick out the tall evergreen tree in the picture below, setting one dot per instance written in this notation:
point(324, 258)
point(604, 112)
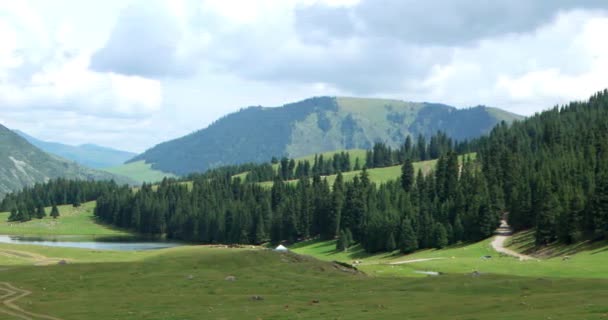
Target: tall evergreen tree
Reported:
point(407, 175)
point(55, 212)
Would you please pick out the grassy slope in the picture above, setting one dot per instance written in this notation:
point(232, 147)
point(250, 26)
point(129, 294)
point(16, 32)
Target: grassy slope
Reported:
point(139, 171)
point(354, 155)
point(590, 263)
point(381, 175)
point(157, 285)
point(72, 221)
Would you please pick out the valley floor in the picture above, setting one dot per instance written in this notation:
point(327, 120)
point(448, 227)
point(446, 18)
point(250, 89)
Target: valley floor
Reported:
point(204, 282)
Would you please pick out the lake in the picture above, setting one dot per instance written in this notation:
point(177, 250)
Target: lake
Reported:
point(124, 243)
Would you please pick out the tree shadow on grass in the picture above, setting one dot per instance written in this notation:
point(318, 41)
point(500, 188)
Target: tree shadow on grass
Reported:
point(524, 242)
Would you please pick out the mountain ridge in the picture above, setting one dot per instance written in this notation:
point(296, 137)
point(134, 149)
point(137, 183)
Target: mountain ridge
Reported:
point(314, 125)
point(88, 154)
point(22, 164)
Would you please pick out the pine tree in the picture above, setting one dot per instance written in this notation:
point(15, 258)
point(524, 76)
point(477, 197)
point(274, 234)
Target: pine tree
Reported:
point(440, 236)
point(40, 213)
point(600, 207)
point(14, 216)
point(546, 218)
point(55, 212)
point(390, 243)
point(260, 231)
point(407, 175)
point(342, 242)
point(408, 240)
point(458, 230)
point(357, 166)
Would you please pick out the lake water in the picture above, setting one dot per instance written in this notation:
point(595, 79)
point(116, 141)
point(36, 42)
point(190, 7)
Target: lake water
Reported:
point(128, 243)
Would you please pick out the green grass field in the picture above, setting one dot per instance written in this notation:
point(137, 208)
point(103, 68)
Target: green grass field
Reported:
point(140, 172)
point(464, 259)
point(72, 221)
point(189, 282)
point(355, 154)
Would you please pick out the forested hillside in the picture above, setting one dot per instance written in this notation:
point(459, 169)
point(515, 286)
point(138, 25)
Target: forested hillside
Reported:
point(548, 173)
point(316, 125)
point(22, 164)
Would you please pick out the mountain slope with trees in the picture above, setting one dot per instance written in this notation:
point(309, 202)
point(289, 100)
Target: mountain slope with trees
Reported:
point(316, 125)
point(22, 164)
point(89, 155)
point(548, 173)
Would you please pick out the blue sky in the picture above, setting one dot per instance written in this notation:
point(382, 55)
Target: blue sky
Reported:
point(131, 74)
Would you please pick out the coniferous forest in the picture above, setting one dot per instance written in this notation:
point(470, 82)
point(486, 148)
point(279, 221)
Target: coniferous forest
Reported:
point(548, 173)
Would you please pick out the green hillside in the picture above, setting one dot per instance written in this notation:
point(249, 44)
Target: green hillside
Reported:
point(22, 164)
point(72, 221)
point(379, 175)
point(316, 125)
point(354, 154)
point(189, 283)
point(89, 155)
point(139, 171)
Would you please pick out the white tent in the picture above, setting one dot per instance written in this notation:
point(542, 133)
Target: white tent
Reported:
point(281, 248)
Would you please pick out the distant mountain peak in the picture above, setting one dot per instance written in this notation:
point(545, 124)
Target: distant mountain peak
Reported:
point(22, 164)
point(315, 125)
point(88, 154)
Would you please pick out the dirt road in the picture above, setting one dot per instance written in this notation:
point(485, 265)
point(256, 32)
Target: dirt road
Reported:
point(36, 259)
point(9, 295)
point(503, 233)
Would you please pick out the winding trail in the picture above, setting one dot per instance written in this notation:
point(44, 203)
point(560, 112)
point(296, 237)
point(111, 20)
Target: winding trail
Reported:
point(503, 233)
point(37, 259)
point(415, 260)
point(9, 295)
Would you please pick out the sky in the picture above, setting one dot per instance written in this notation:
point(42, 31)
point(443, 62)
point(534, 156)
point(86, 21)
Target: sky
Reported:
point(131, 74)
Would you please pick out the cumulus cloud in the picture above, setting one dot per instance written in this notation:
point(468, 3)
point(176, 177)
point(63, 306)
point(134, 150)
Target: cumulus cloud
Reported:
point(47, 74)
point(145, 42)
point(159, 69)
point(525, 73)
point(434, 22)
point(46, 82)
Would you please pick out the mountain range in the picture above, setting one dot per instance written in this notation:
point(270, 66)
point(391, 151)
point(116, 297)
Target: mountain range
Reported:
point(22, 164)
point(315, 125)
point(90, 155)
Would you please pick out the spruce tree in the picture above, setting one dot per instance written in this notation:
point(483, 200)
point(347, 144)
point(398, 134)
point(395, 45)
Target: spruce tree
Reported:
point(55, 212)
point(407, 175)
point(390, 243)
point(408, 242)
point(341, 243)
point(40, 213)
point(440, 236)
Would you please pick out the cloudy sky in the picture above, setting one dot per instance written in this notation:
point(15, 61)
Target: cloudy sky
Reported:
point(131, 74)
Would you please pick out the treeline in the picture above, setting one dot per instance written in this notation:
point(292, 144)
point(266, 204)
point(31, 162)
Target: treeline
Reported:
point(413, 212)
point(382, 155)
point(290, 169)
point(379, 156)
point(550, 172)
point(29, 203)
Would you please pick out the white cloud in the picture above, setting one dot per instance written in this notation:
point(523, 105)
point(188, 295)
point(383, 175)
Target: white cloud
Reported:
point(525, 73)
point(134, 73)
